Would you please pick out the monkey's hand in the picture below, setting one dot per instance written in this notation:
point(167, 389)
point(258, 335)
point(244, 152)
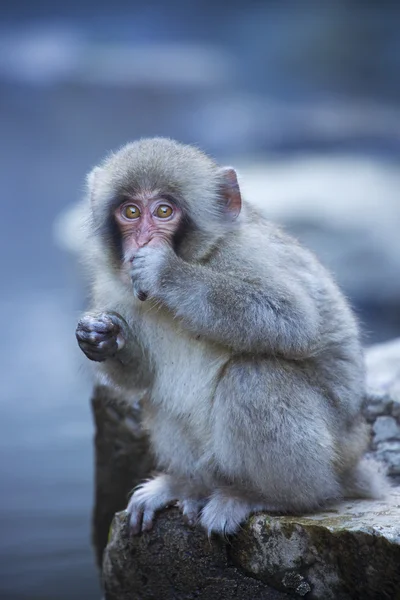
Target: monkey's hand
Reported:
point(148, 269)
point(100, 335)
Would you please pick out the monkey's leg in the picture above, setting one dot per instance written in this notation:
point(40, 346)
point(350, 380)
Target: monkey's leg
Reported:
point(226, 510)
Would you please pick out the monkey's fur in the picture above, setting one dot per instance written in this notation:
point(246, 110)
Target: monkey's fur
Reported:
point(249, 350)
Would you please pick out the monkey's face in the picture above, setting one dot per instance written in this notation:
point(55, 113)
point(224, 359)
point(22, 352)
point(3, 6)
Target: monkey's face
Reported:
point(150, 219)
point(159, 192)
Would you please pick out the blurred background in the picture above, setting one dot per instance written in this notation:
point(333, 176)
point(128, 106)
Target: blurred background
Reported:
point(302, 97)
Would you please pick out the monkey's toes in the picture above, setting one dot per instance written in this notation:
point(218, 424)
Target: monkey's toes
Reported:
point(223, 513)
point(141, 520)
point(190, 509)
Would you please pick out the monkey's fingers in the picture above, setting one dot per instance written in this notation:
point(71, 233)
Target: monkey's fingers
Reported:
point(148, 519)
point(191, 510)
point(100, 323)
point(141, 519)
point(135, 520)
point(99, 352)
point(94, 336)
point(105, 346)
point(93, 355)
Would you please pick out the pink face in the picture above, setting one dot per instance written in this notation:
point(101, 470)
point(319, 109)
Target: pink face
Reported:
point(146, 220)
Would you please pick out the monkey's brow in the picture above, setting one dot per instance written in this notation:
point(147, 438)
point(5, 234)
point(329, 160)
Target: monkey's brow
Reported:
point(170, 198)
point(117, 199)
point(125, 194)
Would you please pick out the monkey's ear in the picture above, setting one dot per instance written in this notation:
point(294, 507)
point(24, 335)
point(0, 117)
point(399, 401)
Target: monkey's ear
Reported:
point(91, 181)
point(230, 192)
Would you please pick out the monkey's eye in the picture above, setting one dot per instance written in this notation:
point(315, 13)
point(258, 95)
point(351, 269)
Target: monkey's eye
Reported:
point(163, 211)
point(131, 211)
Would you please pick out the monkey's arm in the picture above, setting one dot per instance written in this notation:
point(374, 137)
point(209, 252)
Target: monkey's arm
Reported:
point(246, 315)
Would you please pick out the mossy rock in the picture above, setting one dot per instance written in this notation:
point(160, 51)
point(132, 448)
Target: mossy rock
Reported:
point(349, 552)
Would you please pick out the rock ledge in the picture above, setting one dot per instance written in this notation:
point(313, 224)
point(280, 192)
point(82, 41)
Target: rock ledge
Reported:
point(349, 552)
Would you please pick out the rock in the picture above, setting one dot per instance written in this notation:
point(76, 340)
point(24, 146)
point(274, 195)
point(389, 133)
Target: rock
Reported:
point(377, 405)
point(396, 407)
point(382, 407)
point(122, 459)
point(389, 453)
point(349, 552)
point(383, 368)
point(385, 428)
point(175, 562)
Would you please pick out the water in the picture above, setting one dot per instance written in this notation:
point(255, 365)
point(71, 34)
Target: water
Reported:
point(46, 465)
point(46, 451)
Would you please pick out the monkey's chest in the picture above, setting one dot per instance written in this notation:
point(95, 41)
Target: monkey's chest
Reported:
point(186, 368)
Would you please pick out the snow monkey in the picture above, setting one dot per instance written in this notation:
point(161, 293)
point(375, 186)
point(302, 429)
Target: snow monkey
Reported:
point(250, 352)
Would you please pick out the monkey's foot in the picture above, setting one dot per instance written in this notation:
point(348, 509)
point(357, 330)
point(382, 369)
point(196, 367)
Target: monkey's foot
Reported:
point(148, 498)
point(224, 512)
point(190, 509)
point(100, 335)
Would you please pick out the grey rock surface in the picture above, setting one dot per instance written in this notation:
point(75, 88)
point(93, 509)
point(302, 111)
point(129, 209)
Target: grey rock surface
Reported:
point(122, 459)
point(386, 428)
point(382, 408)
point(175, 561)
point(383, 370)
point(350, 551)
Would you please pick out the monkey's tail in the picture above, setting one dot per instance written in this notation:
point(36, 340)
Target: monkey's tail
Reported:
point(366, 480)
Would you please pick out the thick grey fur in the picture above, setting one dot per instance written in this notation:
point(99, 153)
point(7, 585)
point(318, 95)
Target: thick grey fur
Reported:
point(251, 353)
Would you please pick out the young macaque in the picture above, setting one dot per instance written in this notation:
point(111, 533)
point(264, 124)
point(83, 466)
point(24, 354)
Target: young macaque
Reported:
point(249, 351)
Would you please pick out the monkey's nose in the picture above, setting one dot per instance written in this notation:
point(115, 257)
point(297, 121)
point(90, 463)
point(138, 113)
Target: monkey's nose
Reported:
point(143, 242)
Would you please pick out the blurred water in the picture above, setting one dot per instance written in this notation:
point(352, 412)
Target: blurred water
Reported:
point(72, 87)
point(46, 466)
point(45, 445)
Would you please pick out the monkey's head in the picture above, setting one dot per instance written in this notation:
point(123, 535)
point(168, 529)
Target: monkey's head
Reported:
point(157, 191)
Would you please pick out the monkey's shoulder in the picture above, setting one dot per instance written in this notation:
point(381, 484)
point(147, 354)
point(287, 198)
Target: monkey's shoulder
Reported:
point(261, 250)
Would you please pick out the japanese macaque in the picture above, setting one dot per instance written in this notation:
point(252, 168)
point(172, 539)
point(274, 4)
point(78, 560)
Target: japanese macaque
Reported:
point(250, 353)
